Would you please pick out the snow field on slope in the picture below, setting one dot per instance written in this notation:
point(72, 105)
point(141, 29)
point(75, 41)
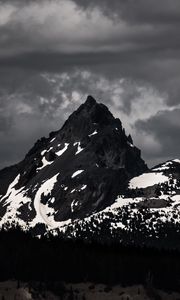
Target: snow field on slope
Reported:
point(45, 214)
point(15, 199)
point(147, 179)
point(44, 189)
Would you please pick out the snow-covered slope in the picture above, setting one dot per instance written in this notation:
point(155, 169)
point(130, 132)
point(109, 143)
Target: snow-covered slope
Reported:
point(88, 180)
point(74, 173)
point(147, 213)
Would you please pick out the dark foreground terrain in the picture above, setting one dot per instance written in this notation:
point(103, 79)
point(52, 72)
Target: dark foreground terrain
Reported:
point(10, 290)
point(58, 268)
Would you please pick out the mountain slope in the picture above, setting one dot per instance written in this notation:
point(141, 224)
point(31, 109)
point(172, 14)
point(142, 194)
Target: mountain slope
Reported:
point(76, 172)
point(147, 213)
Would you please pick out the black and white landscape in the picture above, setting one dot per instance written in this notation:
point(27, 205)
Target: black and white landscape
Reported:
point(89, 149)
point(86, 192)
point(88, 180)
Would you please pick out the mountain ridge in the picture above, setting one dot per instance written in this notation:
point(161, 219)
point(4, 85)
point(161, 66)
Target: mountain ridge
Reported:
point(86, 176)
point(91, 140)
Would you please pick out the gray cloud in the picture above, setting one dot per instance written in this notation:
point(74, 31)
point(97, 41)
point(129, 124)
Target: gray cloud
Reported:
point(165, 128)
point(163, 11)
point(42, 102)
point(132, 46)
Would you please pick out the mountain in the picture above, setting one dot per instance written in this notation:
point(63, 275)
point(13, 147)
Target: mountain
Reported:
point(88, 180)
point(147, 213)
point(75, 172)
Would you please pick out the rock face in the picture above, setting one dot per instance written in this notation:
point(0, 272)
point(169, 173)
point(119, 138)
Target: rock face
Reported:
point(75, 172)
point(146, 214)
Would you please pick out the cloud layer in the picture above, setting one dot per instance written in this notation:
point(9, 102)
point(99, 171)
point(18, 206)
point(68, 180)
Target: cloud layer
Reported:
point(54, 53)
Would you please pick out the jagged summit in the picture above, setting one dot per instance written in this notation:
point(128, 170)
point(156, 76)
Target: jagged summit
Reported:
point(90, 101)
point(79, 170)
point(88, 180)
point(99, 112)
point(87, 118)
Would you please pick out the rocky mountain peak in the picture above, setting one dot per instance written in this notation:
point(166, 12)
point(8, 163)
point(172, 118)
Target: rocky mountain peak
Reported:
point(78, 170)
point(87, 118)
point(90, 101)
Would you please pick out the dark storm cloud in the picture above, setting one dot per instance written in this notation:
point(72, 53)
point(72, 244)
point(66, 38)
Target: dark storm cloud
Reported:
point(31, 27)
point(141, 42)
point(137, 41)
point(141, 11)
point(165, 128)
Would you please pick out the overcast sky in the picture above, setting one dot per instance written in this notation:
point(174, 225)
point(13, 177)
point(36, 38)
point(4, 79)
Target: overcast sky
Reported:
point(126, 53)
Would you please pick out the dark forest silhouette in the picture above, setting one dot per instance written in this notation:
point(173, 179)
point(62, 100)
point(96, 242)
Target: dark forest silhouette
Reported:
point(52, 259)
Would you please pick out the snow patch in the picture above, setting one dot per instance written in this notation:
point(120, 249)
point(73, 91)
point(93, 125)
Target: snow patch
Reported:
point(45, 163)
point(131, 145)
point(177, 160)
point(60, 152)
point(43, 152)
point(44, 189)
point(83, 187)
point(147, 179)
point(95, 132)
point(52, 200)
point(163, 167)
point(77, 173)
point(79, 149)
point(44, 213)
point(50, 149)
point(74, 204)
point(15, 199)
point(11, 187)
point(52, 140)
